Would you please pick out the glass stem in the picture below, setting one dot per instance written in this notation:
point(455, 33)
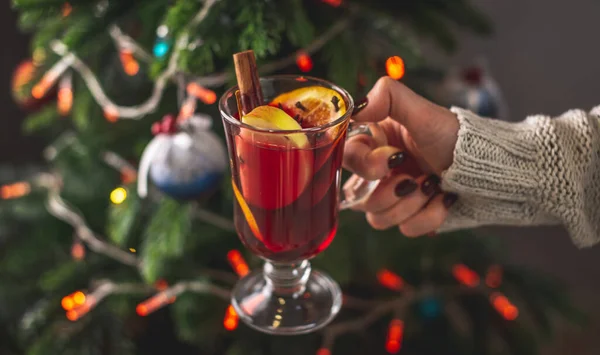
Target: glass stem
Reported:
point(287, 279)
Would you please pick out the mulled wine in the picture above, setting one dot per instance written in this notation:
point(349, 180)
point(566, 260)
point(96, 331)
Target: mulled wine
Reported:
point(289, 195)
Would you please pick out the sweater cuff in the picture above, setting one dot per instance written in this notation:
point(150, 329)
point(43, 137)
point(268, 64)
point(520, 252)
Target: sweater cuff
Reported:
point(493, 159)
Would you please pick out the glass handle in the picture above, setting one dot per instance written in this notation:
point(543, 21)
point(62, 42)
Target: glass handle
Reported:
point(357, 189)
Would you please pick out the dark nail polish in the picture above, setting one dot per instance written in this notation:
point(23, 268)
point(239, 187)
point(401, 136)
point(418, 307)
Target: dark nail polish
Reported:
point(405, 187)
point(449, 199)
point(429, 186)
point(360, 105)
point(395, 160)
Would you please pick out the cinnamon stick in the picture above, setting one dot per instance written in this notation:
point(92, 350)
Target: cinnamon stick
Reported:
point(248, 82)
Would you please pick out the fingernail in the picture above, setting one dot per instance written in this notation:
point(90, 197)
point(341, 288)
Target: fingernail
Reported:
point(395, 160)
point(449, 199)
point(360, 105)
point(430, 184)
point(405, 187)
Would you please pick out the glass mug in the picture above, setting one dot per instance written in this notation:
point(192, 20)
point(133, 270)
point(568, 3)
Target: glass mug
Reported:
point(287, 199)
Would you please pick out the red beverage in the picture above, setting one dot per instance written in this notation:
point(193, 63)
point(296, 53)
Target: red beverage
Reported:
point(287, 197)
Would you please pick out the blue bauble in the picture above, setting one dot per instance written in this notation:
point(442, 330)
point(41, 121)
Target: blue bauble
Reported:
point(480, 101)
point(430, 307)
point(189, 165)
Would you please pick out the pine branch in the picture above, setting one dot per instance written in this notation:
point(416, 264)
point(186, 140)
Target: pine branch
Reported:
point(61, 210)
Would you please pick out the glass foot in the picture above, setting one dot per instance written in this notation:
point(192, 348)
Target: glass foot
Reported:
point(287, 299)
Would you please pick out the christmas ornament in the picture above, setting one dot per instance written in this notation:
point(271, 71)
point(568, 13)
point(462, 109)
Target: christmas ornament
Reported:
point(183, 160)
point(474, 89)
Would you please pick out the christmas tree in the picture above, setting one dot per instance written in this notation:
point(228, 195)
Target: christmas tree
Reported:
point(91, 266)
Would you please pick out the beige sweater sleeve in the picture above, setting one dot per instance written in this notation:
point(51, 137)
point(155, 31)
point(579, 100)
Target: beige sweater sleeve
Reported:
point(539, 171)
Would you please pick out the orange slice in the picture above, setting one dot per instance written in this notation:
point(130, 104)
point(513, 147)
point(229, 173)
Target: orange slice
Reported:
point(312, 106)
point(247, 212)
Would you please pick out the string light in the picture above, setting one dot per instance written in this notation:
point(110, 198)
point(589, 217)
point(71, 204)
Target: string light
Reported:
point(39, 56)
point(231, 320)
point(390, 280)
point(78, 312)
point(465, 276)
point(161, 47)
point(395, 334)
point(323, 351)
point(111, 114)
point(128, 175)
point(118, 195)
point(304, 62)
point(79, 298)
point(237, 262)
point(66, 9)
point(188, 108)
point(15, 190)
point(506, 309)
point(334, 3)
point(78, 250)
point(40, 89)
point(493, 278)
point(130, 66)
point(67, 303)
point(205, 95)
point(395, 67)
point(161, 285)
point(152, 304)
point(65, 95)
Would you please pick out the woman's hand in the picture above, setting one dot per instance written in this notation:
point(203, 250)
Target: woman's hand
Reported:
point(410, 147)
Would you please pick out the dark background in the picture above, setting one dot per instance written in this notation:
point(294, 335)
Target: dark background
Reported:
point(546, 57)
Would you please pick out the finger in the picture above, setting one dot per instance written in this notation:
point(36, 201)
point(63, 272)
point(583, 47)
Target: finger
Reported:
point(388, 192)
point(426, 121)
point(430, 218)
point(371, 164)
point(406, 206)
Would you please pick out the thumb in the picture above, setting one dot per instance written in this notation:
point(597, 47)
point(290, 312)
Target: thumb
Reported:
point(432, 128)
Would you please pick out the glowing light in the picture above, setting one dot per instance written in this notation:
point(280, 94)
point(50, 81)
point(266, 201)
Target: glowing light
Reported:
point(395, 334)
point(186, 111)
point(152, 304)
point(130, 66)
point(78, 312)
point(161, 285)
point(390, 280)
point(323, 351)
point(67, 303)
point(66, 9)
point(111, 114)
point(78, 251)
point(118, 195)
point(334, 3)
point(15, 190)
point(161, 48)
point(395, 67)
point(128, 175)
point(65, 100)
point(237, 262)
point(39, 56)
point(493, 278)
point(465, 276)
point(40, 89)
point(133, 250)
point(231, 320)
point(205, 95)
point(503, 306)
point(79, 298)
point(304, 62)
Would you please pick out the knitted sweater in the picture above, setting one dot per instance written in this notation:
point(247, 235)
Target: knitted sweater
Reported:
point(540, 171)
